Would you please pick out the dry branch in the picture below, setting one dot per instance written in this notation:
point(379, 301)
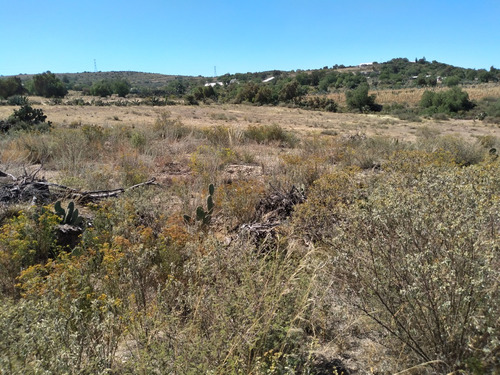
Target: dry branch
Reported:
point(29, 188)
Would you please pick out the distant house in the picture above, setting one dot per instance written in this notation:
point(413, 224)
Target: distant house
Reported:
point(213, 84)
point(363, 65)
point(268, 79)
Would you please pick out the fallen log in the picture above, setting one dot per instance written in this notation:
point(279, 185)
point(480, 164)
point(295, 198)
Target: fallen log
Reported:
point(28, 188)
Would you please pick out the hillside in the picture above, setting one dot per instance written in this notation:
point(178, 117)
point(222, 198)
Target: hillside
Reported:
point(395, 73)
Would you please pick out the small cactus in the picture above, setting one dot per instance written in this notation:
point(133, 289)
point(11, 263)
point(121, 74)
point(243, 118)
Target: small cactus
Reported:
point(204, 216)
point(70, 216)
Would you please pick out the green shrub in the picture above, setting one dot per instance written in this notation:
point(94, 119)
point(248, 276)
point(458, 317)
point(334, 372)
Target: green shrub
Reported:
point(102, 88)
point(450, 101)
point(11, 86)
point(18, 100)
point(27, 118)
point(463, 152)
point(49, 86)
point(359, 99)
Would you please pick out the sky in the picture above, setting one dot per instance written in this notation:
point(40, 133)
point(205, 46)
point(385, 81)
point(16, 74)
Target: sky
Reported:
point(191, 37)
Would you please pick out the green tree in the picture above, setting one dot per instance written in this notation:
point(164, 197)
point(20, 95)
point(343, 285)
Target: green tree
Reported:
point(451, 101)
point(360, 100)
point(102, 88)
point(11, 86)
point(452, 81)
point(49, 86)
point(264, 95)
point(247, 93)
point(291, 91)
point(121, 87)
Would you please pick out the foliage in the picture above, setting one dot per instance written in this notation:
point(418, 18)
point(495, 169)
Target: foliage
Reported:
point(167, 127)
point(49, 86)
point(291, 91)
point(28, 114)
point(488, 109)
point(18, 100)
point(102, 88)
point(11, 86)
point(450, 101)
point(121, 87)
point(319, 103)
point(25, 240)
point(27, 118)
point(360, 100)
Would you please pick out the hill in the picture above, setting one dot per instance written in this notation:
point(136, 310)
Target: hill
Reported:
point(395, 73)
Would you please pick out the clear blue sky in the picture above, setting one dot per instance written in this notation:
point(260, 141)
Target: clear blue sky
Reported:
point(190, 37)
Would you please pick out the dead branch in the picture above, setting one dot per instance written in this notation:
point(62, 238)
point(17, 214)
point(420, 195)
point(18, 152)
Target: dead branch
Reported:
point(28, 188)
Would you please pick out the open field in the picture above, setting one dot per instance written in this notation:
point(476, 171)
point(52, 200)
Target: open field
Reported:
point(298, 121)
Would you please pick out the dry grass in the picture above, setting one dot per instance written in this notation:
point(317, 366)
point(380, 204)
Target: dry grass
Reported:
point(253, 297)
point(300, 122)
point(411, 96)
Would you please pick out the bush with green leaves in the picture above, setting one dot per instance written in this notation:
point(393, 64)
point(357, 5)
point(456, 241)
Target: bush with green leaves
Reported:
point(27, 118)
point(121, 87)
point(18, 100)
point(488, 109)
point(451, 101)
point(101, 88)
point(11, 86)
point(49, 86)
point(359, 99)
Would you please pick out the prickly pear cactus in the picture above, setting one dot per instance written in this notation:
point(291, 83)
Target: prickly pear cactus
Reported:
point(204, 217)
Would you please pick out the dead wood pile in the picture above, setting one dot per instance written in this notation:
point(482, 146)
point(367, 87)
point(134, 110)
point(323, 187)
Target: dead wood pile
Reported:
point(271, 211)
point(29, 188)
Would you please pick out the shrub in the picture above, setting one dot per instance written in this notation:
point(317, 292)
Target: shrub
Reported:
point(268, 134)
point(121, 87)
point(190, 100)
point(49, 86)
point(463, 152)
point(238, 200)
point(222, 135)
point(25, 240)
point(10, 87)
point(321, 103)
point(420, 255)
point(18, 100)
point(360, 100)
point(27, 118)
point(450, 101)
point(169, 128)
point(102, 88)
point(418, 250)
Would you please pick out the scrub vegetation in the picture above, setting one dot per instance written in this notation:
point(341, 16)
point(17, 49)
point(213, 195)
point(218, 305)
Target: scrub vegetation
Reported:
point(288, 232)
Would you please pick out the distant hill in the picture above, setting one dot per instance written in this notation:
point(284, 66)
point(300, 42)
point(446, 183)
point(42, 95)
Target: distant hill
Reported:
point(396, 73)
point(152, 80)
